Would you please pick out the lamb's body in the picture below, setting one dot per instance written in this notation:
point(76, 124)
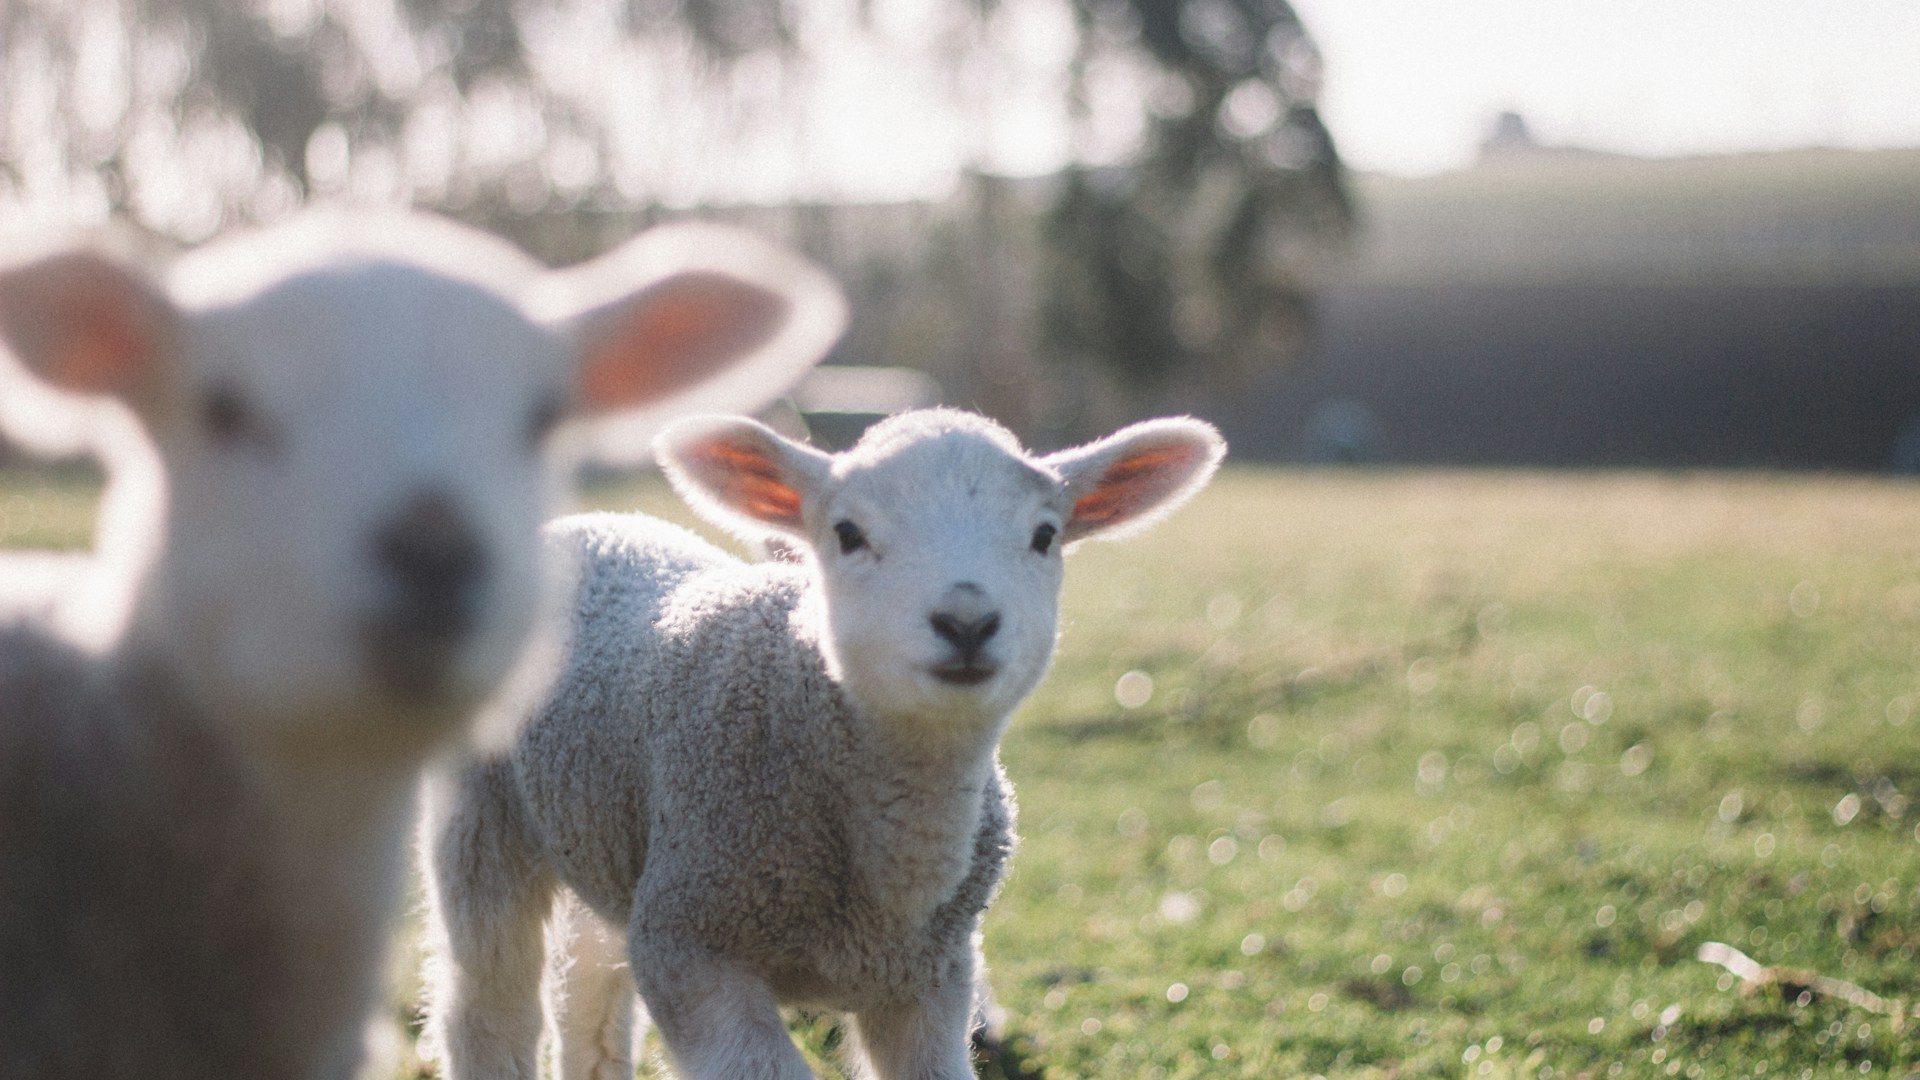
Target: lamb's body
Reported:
point(176, 902)
point(698, 778)
point(781, 781)
point(112, 787)
point(698, 763)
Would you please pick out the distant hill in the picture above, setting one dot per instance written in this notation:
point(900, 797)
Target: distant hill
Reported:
point(1551, 309)
point(1811, 215)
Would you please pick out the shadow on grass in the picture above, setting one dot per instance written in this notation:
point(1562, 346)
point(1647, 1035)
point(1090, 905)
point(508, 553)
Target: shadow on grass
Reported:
point(1215, 709)
point(1863, 775)
point(1003, 1057)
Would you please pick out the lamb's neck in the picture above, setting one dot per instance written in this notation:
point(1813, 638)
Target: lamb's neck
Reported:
point(916, 813)
point(337, 813)
point(328, 780)
point(334, 827)
point(338, 856)
point(915, 788)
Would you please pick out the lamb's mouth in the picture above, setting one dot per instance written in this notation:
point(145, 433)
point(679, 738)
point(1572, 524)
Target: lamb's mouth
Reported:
point(415, 650)
point(968, 673)
point(411, 666)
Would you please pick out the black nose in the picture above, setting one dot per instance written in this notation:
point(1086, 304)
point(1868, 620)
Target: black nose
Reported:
point(433, 563)
point(965, 634)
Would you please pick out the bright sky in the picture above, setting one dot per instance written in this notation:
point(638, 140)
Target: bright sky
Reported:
point(1412, 84)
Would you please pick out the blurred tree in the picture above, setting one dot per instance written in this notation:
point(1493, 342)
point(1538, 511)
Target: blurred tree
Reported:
point(1179, 265)
point(1188, 266)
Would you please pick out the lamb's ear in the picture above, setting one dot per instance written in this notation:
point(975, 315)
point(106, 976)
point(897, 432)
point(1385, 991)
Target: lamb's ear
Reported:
point(1137, 475)
point(81, 322)
point(741, 475)
point(686, 319)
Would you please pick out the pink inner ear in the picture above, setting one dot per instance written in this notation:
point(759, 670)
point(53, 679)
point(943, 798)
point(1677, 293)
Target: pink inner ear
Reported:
point(107, 356)
point(1133, 483)
point(679, 332)
point(82, 323)
point(746, 478)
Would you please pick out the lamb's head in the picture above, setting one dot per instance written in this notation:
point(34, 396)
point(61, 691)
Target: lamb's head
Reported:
point(937, 539)
point(359, 423)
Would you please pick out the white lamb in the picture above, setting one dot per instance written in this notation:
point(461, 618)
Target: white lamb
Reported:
point(326, 564)
point(779, 781)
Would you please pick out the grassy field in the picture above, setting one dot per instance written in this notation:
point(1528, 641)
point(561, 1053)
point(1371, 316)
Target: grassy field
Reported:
point(1450, 774)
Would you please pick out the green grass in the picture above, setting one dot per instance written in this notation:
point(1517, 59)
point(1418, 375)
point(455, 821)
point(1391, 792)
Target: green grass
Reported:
point(46, 508)
point(1449, 774)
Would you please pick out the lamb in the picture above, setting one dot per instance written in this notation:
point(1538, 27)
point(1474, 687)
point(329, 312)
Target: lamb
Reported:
point(333, 443)
point(32, 583)
point(776, 784)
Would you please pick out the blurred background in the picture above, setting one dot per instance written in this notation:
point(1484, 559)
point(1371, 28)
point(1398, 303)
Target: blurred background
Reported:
point(1416, 769)
point(1349, 230)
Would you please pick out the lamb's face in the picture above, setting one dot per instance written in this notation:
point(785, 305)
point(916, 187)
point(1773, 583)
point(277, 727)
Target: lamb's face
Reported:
point(353, 419)
point(941, 567)
point(938, 540)
point(358, 480)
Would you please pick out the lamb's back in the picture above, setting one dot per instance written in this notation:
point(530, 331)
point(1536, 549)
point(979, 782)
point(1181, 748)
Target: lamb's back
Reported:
point(663, 623)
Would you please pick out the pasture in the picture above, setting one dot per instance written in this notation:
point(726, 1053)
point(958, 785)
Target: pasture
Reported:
point(1422, 774)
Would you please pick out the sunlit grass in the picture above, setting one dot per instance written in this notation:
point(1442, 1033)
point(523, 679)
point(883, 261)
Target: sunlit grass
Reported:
point(46, 508)
point(1449, 774)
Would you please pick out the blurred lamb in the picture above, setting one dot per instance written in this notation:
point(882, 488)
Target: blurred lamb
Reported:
point(780, 781)
point(319, 565)
point(34, 583)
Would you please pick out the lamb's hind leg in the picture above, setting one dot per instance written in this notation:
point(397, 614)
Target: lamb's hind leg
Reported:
point(590, 995)
point(489, 892)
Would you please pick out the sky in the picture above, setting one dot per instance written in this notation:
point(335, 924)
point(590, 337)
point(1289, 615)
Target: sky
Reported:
point(1413, 84)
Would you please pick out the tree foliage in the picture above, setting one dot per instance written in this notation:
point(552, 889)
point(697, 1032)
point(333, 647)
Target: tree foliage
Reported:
point(1181, 263)
point(1187, 264)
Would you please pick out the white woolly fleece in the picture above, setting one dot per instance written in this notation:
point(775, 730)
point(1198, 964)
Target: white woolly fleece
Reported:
point(778, 782)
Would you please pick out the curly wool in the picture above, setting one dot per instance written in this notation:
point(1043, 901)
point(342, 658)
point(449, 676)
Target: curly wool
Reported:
point(781, 781)
point(696, 738)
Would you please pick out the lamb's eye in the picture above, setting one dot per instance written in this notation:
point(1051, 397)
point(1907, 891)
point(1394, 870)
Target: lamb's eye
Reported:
point(228, 419)
point(542, 420)
point(1043, 538)
point(851, 538)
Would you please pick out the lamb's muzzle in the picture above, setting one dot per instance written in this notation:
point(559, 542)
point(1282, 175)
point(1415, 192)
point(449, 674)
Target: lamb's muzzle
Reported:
point(434, 567)
point(965, 620)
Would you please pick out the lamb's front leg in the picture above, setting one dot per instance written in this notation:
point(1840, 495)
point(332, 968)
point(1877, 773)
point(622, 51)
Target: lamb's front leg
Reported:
point(590, 995)
point(920, 1040)
point(719, 1021)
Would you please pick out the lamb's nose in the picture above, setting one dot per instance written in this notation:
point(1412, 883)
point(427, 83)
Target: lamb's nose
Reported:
point(964, 620)
point(967, 635)
point(429, 554)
